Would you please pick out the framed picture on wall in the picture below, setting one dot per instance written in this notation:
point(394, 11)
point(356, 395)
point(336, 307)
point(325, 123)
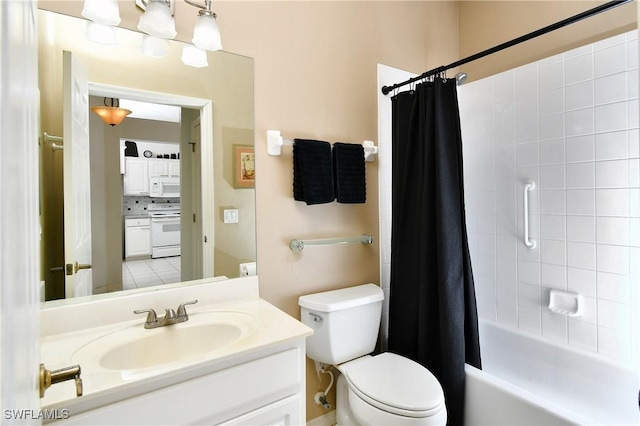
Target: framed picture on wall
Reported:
point(244, 166)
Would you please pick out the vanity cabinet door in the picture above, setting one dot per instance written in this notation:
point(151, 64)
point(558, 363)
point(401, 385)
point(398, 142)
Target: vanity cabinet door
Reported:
point(263, 389)
point(285, 412)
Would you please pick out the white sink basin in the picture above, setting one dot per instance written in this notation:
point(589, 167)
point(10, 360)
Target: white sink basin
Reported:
point(135, 348)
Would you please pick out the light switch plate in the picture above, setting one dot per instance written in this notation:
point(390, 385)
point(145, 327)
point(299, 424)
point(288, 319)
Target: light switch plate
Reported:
point(231, 216)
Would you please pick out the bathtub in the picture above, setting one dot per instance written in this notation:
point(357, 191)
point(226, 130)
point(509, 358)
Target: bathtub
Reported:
point(528, 381)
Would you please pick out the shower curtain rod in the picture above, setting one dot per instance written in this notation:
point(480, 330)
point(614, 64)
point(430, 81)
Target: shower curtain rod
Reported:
point(586, 14)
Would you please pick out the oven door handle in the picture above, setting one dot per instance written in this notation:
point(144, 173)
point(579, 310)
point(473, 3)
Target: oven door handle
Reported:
point(165, 218)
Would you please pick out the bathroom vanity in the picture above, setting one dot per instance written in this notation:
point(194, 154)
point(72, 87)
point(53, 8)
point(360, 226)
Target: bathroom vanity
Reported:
point(236, 360)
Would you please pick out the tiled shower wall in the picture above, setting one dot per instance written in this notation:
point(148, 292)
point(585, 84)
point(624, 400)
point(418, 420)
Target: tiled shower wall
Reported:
point(569, 123)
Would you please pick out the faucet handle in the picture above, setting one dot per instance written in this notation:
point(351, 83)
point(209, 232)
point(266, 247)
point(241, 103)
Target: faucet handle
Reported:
point(169, 314)
point(182, 311)
point(151, 315)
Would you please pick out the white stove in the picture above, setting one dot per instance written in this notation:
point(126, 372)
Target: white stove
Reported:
point(165, 229)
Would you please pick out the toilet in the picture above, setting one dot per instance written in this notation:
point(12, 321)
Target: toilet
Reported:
point(383, 389)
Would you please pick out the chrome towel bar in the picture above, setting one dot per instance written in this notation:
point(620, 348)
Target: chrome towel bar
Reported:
point(298, 245)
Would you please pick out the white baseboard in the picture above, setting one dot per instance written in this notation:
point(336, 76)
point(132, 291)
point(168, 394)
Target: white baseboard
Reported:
point(328, 419)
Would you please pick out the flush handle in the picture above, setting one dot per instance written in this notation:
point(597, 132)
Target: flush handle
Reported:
point(316, 317)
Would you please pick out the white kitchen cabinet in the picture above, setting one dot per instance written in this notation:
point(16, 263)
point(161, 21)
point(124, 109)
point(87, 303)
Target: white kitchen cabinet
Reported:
point(174, 168)
point(136, 176)
point(164, 167)
point(137, 237)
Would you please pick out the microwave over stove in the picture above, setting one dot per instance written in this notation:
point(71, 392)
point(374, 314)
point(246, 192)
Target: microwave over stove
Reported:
point(167, 187)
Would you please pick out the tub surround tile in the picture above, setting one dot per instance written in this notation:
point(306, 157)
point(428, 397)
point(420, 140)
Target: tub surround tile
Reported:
point(582, 281)
point(578, 68)
point(614, 287)
point(581, 229)
point(570, 124)
point(583, 335)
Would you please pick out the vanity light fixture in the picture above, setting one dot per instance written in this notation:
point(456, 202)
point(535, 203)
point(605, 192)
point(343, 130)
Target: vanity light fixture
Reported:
point(194, 56)
point(105, 12)
point(206, 33)
point(113, 114)
point(154, 46)
point(157, 19)
point(102, 16)
point(100, 33)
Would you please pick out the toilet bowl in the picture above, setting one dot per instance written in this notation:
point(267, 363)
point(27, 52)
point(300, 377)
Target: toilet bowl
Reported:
point(388, 389)
point(383, 389)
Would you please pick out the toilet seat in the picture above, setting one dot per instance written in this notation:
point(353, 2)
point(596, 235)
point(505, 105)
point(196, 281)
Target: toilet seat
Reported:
point(395, 384)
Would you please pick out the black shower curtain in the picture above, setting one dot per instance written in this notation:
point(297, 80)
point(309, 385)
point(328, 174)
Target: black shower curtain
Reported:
point(432, 312)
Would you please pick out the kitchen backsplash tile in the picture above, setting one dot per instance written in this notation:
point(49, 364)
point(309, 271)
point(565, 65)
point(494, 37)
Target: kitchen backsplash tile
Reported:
point(135, 206)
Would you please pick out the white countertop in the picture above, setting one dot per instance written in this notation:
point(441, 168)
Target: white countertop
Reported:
point(65, 331)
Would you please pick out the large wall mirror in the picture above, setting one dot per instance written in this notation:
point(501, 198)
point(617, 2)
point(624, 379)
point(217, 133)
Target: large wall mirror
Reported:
point(206, 146)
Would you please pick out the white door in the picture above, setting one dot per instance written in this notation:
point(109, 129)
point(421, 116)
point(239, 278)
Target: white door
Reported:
point(196, 203)
point(19, 227)
point(77, 193)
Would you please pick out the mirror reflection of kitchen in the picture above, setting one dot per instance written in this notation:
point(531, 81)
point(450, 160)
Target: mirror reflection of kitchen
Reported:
point(151, 210)
point(83, 217)
point(149, 181)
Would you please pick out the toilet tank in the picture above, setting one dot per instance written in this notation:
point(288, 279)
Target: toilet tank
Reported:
point(345, 322)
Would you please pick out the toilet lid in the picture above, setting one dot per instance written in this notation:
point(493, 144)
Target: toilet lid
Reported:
point(396, 384)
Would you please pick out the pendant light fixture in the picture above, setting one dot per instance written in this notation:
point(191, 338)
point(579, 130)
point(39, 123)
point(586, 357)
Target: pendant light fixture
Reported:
point(111, 114)
point(206, 33)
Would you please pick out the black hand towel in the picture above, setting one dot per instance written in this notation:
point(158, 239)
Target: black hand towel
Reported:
point(349, 173)
point(312, 172)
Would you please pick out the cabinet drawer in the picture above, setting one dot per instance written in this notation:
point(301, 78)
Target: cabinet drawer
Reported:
point(138, 222)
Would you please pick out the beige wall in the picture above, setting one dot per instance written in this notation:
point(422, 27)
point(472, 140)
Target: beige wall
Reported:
point(484, 24)
point(315, 76)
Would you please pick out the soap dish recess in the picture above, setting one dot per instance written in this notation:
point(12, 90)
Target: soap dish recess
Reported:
point(565, 303)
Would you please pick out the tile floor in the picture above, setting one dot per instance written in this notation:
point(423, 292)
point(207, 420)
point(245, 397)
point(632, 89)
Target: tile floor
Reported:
point(150, 272)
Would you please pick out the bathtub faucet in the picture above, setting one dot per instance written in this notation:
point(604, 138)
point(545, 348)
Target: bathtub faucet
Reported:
point(170, 316)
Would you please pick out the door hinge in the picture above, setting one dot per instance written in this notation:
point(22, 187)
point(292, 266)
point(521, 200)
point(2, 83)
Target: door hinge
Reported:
point(193, 146)
point(194, 218)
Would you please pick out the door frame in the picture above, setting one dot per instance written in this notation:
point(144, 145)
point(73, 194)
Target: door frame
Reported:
point(20, 224)
point(206, 164)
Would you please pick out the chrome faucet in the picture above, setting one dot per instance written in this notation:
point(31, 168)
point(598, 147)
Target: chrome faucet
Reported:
point(170, 316)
